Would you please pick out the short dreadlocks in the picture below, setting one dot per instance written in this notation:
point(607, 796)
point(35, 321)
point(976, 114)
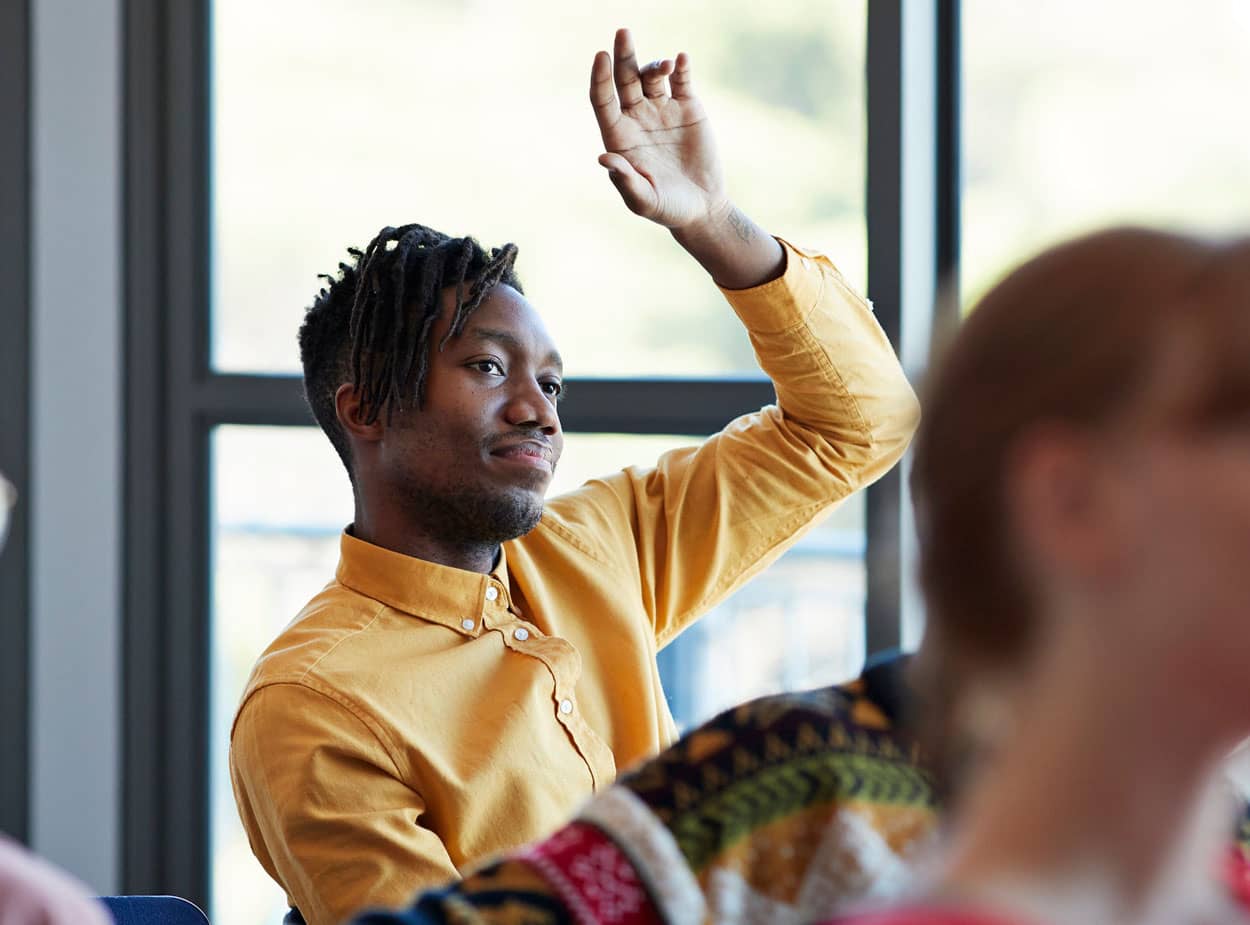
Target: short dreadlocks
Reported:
point(371, 324)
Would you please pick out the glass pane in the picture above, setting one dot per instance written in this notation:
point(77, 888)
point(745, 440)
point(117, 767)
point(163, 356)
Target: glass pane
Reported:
point(1080, 114)
point(280, 498)
point(333, 119)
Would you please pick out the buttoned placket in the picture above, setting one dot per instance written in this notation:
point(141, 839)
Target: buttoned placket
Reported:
point(561, 660)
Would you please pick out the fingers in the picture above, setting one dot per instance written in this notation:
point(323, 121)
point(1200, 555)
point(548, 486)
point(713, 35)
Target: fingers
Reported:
point(634, 188)
point(603, 92)
point(682, 78)
point(655, 79)
point(625, 70)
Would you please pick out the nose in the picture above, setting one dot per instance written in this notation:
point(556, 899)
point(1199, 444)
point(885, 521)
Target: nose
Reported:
point(531, 408)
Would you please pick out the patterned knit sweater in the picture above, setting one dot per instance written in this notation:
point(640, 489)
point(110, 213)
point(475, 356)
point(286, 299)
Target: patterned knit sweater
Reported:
point(784, 809)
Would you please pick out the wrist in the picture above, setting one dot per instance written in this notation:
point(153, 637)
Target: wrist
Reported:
point(733, 249)
point(713, 223)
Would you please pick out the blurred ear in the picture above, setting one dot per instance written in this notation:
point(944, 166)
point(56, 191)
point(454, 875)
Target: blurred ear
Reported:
point(352, 418)
point(1061, 501)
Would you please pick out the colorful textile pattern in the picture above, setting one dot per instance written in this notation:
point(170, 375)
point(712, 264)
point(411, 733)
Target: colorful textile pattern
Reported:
point(783, 809)
point(595, 881)
point(1241, 835)
point(1235, 867)
point(507, 892)
point(1235, 873)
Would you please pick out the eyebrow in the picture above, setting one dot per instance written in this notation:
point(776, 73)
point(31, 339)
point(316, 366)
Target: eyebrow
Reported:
point(512, 342)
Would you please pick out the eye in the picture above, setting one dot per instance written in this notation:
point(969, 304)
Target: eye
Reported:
point(553, 387)
point(488, 366)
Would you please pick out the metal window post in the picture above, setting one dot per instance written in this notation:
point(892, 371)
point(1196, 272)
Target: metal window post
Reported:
point(15, 346)
point(913, 205)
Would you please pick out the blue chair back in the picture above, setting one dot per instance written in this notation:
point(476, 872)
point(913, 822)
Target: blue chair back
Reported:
point(153, 910)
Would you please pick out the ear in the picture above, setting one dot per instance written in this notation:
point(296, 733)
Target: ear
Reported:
point(1061, 501)
point(352, 418)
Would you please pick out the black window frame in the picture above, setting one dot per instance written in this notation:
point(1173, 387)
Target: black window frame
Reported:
point(174, 399)
point(15, 442)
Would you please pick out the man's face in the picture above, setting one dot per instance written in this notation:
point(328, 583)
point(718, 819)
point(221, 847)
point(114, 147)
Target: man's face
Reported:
point(474, 463)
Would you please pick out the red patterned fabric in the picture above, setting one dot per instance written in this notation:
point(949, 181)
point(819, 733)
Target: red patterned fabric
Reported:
point(1236, 876)
point(595, 880)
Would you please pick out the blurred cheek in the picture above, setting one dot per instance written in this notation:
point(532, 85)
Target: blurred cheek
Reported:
point(1196, 519)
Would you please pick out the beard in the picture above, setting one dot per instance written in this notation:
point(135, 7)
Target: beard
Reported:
point(473, 517)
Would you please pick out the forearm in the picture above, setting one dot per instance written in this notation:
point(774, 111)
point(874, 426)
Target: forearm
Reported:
point(736, 251)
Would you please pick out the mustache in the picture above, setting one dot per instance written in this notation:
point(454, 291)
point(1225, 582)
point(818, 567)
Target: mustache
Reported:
point(522, 435)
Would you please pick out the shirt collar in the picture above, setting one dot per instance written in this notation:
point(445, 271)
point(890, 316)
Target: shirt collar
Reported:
point(441, 594)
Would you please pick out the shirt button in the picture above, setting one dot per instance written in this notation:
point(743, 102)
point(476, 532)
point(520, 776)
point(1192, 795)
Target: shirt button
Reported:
point(566, 706)
point(491, 593)
point(521, 634)
point(467, 623)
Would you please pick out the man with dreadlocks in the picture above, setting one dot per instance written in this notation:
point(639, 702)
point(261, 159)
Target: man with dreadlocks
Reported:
point(482, 660)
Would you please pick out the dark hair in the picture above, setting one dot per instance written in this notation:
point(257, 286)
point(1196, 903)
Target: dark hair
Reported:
point(371, 325)
point(1075, 337)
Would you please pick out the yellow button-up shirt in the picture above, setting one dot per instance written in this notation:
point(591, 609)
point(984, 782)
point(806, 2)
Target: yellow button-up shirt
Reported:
point(415, 718)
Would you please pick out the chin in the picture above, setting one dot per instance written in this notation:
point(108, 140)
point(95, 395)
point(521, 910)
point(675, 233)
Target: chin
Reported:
point(533, 481)
point(512, 514)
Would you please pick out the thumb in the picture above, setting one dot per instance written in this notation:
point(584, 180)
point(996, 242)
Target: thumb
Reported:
point(634, 188)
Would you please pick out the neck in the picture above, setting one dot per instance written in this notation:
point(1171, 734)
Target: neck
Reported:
point(1095, 790)
point(381, 525)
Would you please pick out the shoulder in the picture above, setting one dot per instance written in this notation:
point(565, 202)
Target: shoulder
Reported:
point(331, 654)
point(318, 632)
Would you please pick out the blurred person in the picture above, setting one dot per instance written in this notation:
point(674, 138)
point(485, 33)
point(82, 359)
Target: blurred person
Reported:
point(1082, 486)
point(32, 891)
point(485, 660)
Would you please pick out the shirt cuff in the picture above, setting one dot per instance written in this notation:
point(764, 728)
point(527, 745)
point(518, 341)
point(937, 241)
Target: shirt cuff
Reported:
point(786, 301)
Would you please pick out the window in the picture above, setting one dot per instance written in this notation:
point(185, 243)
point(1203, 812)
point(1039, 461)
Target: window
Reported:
point(1080, 115)
point(262, 140)
point(331, 120)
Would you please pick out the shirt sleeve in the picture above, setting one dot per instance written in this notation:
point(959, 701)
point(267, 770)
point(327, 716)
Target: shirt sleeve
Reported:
point(325, 807)
point(705, 519)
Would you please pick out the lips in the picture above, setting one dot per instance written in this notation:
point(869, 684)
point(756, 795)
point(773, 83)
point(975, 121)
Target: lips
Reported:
point(526, 452)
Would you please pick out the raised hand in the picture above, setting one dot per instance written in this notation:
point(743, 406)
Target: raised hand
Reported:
point(659, 148)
